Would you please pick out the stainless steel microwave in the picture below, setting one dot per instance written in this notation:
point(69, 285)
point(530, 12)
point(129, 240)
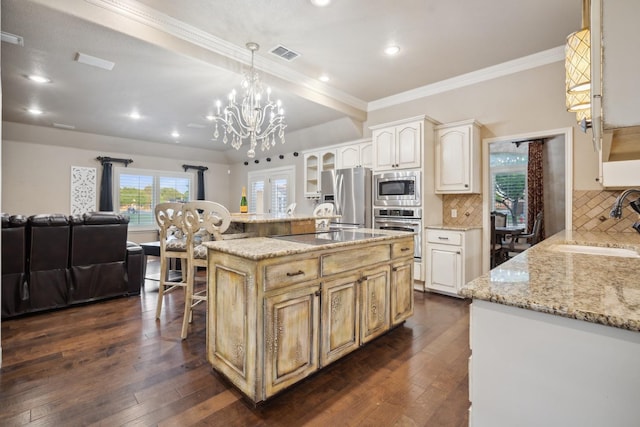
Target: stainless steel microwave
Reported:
point(399, 188)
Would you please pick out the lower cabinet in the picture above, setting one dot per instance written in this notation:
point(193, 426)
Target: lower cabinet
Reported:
point(273, 322)
point(375, 303)
point(340, 318)
point(291, 337)
point(401, 292)
point(454, 257)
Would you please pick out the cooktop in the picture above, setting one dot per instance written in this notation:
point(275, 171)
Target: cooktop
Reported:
point(332, 236)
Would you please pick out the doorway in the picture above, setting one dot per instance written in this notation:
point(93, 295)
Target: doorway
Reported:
point(508, 160)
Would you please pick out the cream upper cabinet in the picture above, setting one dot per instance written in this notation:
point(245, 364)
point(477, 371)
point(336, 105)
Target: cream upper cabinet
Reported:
point(398, 145)
point(457, 157)
point(314, 163)
point(615, 93)
point(357, 154)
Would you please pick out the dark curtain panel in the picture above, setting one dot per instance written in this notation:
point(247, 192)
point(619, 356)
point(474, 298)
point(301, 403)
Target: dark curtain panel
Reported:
point(106, 188)
point(200, 184)
point(535, 184)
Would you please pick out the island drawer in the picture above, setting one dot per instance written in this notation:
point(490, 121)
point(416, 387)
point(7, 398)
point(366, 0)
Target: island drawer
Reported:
point(338, 262)
point(444, 237)
point(402, 249)
point(290, 272)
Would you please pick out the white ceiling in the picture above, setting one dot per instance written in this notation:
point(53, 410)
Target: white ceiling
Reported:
point(175, 58)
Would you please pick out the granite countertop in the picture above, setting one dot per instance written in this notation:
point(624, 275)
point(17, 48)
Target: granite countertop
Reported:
point(264, 218)
point(595, 288)
point(258, 248)
point(453, 227)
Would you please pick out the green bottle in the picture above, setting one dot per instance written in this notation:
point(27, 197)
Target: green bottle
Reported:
point(244, 206)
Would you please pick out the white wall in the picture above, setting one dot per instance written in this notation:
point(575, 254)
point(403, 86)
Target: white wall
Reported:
point(524, 102)
point(37, 176)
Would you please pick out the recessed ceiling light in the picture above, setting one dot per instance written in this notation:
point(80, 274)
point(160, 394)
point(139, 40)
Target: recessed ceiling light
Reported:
point(175, 134)
point(35, 111)
point(320, 3)
point(324, 78)
point(38, 79)
point(134, 115)
point(391, 50)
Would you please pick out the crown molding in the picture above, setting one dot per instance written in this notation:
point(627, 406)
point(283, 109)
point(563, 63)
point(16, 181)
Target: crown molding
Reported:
point(510, 67)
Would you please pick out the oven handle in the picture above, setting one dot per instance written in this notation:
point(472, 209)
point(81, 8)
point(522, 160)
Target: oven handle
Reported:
point(398, 223)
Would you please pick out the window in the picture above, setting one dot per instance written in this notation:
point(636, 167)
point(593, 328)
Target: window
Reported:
point(508, 166)
point(277, 186)
point(139, 191)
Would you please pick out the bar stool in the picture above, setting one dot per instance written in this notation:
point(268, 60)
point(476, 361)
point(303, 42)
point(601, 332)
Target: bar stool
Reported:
point(323, 209)
point(169, 216)
point(201, 220)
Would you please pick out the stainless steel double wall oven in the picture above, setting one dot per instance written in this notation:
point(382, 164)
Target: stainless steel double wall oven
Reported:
point(396, 201)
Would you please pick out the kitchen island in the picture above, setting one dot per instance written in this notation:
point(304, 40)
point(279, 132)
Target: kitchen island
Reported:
point(261, 225)
point(282, 308)
point(555, 334)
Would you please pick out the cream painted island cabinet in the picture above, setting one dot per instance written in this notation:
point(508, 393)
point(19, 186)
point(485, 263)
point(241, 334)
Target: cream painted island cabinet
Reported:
point(279, 309)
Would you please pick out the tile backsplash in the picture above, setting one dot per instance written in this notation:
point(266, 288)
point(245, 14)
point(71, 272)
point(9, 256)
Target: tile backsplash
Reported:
point(590, 211)
point(469, 207)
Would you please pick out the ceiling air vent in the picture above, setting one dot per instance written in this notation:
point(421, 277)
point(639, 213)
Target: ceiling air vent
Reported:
point(284, 53)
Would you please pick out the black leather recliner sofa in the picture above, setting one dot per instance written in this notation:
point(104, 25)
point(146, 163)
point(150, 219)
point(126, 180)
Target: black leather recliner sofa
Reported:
point(67, 261)
point(14, 265)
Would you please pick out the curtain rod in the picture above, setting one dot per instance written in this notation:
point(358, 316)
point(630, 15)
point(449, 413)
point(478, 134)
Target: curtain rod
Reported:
point(200, 168)
point(542, 140)
point(104, 160)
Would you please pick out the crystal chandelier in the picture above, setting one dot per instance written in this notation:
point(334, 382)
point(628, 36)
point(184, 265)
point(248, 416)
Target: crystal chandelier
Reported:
point(249, 119)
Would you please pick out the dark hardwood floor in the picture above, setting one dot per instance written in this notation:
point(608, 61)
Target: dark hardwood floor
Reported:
point(112, 364)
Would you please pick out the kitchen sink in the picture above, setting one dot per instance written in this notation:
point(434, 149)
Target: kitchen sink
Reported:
point(595, 250)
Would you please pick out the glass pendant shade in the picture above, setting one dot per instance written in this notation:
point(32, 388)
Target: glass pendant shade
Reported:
point(578, 75)
point(578, 101)
point(583, 115)
point(578, 61)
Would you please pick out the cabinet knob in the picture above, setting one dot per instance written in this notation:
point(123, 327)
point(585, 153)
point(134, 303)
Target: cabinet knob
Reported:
point(466, 186)
point(458, 252)
point(317, 293)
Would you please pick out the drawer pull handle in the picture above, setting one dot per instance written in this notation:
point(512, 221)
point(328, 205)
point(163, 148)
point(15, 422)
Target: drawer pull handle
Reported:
point(443, 238)
point(297, 273)
point(405, 249)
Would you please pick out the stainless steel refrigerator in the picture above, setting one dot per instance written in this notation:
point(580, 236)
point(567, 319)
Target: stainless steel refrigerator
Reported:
point(350, 192)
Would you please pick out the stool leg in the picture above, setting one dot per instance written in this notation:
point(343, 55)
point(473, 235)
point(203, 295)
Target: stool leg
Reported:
point(161, 285)
point(188, 301)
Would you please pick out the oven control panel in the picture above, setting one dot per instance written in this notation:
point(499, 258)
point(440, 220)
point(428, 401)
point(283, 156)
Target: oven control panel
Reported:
point(397, 213)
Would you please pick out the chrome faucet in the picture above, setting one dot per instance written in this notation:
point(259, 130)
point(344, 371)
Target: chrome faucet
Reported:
point(616, 211)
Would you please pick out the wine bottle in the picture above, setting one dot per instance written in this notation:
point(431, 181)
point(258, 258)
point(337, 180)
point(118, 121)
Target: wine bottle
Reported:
point(244, 206)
